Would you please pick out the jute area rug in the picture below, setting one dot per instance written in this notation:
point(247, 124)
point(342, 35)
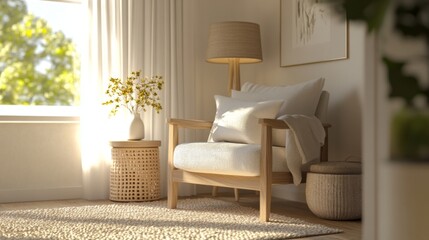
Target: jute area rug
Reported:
point(194, 219)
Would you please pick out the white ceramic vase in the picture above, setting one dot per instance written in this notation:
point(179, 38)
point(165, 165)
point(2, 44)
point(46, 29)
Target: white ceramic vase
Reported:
point(136, 131)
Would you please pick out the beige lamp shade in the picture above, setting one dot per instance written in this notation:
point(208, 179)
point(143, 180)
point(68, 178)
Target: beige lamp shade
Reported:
point(234, 40)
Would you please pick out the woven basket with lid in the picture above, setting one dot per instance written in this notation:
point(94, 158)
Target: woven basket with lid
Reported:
point(334, 190)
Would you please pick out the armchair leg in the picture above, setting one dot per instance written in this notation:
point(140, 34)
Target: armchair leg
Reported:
point(236, 194)
point(172, 195)
point(265, 204)
point(214, 191)
point(266, 174)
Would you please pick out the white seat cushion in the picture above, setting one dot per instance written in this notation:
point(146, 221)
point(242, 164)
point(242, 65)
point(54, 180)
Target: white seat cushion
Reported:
point(225, 158)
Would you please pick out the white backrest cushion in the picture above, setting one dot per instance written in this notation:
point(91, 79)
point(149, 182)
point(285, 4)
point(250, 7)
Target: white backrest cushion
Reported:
point(322, 108)
point(237, 120)
point(301, 98)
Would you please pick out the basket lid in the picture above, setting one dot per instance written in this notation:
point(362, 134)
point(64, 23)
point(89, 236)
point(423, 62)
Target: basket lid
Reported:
point(337, 167)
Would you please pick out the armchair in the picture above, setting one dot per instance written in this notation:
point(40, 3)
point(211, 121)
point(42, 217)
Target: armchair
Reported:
point(257, 173)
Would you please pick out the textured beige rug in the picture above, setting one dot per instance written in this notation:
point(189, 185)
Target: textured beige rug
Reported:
point(194, 219)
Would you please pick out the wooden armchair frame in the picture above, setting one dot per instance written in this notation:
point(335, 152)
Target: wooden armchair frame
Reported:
point(261, 183)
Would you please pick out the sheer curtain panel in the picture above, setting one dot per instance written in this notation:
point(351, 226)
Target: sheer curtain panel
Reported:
point(123, 36)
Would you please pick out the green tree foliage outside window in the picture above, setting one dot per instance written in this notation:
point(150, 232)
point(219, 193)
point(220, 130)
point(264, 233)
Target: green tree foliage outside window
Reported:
point(38, 66)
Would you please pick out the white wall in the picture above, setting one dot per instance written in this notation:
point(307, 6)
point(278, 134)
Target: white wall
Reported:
point(39, 160)
point(344, 78)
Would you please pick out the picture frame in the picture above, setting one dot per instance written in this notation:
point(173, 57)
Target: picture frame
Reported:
point(311, 31)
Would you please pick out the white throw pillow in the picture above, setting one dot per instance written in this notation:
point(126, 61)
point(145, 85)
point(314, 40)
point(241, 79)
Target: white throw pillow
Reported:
point(237, 120)
point(301, 98)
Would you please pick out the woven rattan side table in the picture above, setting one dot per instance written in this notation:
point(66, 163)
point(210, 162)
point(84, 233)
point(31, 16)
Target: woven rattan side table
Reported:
point(134, 174)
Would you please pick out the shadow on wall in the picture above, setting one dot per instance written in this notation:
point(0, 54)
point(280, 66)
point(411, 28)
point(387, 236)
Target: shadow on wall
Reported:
point(345, 136)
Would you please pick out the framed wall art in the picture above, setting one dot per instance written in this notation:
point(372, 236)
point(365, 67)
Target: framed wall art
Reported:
point(312, 31)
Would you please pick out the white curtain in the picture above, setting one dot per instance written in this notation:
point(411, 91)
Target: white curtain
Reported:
point(123, 36)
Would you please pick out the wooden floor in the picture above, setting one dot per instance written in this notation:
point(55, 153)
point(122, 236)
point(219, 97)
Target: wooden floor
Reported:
point(352, 229)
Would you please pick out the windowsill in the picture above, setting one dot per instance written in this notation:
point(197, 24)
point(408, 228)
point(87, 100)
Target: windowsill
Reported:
point(39, 113)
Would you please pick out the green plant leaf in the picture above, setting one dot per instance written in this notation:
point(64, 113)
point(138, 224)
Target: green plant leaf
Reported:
point(372, 12)
point(402, 85)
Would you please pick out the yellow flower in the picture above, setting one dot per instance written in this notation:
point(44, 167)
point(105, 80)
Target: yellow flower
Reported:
point(136, 93)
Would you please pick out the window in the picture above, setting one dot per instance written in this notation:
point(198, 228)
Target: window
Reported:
point(39, 55)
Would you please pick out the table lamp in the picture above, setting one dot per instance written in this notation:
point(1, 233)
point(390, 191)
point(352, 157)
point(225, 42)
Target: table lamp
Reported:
point(234, 43)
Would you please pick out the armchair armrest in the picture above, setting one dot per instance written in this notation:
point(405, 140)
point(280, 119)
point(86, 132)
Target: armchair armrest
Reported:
point(269, 124)
point(280, 124)
point(273, 123)
point(194, 124)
